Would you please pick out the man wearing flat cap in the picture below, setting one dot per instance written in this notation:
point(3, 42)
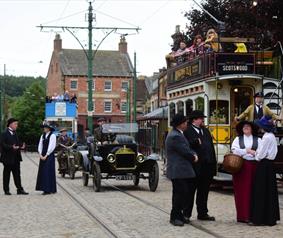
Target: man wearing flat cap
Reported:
point(63, 140)
point(257, 110)
point(180, 158)
point(11, 157)
point(99, 136)
point(201, 142)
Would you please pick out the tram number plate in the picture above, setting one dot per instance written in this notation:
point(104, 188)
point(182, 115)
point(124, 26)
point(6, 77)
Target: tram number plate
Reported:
point(124, 177)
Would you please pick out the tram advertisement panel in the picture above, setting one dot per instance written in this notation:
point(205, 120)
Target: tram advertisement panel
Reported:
point(235, 63)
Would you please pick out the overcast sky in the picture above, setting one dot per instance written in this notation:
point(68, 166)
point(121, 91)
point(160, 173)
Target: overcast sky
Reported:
point(27, 51)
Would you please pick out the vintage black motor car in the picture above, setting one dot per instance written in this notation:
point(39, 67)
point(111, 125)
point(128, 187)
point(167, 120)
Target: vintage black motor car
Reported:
point(118, 158)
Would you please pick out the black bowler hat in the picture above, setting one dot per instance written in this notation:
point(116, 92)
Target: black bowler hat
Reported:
point(196, 114)
point(178, 119)
point(10, 121)
point(259, 94)
point(239, 127)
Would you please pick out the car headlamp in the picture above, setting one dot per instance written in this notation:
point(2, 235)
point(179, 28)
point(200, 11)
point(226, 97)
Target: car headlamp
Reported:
point(111, 158)
point(140, 158)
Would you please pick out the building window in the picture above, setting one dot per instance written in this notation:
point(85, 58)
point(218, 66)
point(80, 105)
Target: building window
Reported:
point(124, 107)
point(125, 86)
point(74, 84)
point(108, 86)
point(93, 85)
point(107, 106)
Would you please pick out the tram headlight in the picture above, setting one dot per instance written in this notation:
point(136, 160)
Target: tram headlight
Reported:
point(140, 158)
point(111, 158)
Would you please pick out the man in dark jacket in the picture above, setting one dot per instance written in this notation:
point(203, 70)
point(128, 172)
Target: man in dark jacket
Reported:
point(180, 171)
point(11, 157)
point(201, 142)
point(99, 136)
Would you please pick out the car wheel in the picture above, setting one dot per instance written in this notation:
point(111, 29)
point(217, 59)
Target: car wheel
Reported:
point(96, 177)
point(85, 179)
point(71, 167)
point(136, 179)
point(153, 177)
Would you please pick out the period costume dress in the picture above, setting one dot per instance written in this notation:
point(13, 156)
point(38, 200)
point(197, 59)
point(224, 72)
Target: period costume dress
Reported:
point(243, 180)
point(264, 202)
point(46, 178)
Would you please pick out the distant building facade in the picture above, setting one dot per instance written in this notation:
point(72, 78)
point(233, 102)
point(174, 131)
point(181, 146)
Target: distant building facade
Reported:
point(112, 77)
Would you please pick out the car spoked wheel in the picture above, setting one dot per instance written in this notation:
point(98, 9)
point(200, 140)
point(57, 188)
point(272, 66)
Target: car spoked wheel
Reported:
point(153, 177)
point(85, 178)
point(96, 177)
point(72, 168)
point(136, 179)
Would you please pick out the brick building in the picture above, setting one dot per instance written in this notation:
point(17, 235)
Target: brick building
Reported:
point(112, 75)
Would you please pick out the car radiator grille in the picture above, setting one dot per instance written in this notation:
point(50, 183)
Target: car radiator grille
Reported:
point(125, 161)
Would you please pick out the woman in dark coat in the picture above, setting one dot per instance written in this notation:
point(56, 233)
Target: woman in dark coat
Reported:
point(245, 145)
point(46, 178)
point(264, 202)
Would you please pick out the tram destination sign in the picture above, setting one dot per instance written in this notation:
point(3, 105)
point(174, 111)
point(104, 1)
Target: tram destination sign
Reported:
point(226, 63)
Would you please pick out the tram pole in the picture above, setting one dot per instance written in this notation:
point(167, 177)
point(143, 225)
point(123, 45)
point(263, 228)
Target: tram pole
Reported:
point(90, 70)
point(135, 89)
point(217, 119)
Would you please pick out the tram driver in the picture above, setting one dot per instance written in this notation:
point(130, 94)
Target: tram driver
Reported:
point(257, 110)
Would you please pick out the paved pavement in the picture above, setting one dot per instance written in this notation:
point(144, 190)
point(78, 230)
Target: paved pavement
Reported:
point(59, 216)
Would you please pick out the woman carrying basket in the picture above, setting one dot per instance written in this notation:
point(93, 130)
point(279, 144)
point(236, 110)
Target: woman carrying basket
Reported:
point(245, 145)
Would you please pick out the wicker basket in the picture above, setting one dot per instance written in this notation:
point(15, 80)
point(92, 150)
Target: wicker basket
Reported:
point(232, 163)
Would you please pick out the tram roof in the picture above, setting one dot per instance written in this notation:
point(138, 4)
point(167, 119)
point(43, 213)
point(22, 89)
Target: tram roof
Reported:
point(157, 114)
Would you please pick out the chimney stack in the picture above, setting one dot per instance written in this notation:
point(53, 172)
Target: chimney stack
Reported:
point(123, 48)
point(57, 43)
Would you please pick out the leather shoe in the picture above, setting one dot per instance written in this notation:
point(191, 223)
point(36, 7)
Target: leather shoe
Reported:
point(45, 193)
point(8, 193)
point(22, 192)
point(177, 222)
point(186, 220)
point(206, 218)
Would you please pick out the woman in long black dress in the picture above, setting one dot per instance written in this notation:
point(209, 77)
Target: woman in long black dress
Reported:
point(46, 177)
point(264, 202)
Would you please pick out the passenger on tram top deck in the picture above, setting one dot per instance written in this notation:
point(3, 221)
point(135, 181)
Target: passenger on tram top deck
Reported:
point(211, 42)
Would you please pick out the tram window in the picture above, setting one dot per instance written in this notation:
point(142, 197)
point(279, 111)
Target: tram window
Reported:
point(219, 115)
point(172, 110)
point(189, 106)
point(199, 102)
point(180, 107)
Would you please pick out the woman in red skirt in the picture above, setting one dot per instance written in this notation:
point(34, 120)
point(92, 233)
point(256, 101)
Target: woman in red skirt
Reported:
point(245, 145)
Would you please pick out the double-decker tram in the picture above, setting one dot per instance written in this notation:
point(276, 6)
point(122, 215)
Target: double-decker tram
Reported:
point(61, 114)
point(222, 85)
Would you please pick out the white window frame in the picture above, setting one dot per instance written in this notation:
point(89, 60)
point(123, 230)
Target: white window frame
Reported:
point(107, 101)
point(123, 89)
point(74, 80)
point(121, 106)
point(107, 89)
point(93, 85)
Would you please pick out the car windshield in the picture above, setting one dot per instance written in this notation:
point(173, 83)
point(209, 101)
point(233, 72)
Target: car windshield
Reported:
point(120, 128)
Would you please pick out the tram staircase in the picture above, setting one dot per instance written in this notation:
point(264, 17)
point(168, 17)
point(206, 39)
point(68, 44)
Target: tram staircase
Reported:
point(272, 88)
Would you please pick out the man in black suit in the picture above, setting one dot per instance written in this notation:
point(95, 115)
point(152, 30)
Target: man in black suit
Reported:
point(201, 142)
point(11, 157)
point(180, 171)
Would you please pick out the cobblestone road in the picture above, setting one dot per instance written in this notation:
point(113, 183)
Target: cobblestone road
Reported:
point(59, 216)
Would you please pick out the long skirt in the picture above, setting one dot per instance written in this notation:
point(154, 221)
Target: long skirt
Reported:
point(264, 203)
point(46, 177)
point(242, 182)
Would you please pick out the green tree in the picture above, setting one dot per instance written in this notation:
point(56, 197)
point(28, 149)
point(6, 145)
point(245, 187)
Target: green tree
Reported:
point(29, 110)
point(262, 22)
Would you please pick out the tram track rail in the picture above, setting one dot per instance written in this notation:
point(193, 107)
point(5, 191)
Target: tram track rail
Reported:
point(79, 204)
point(197, 226)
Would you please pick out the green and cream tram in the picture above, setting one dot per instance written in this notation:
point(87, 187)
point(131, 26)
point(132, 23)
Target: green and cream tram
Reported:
point(222, 85)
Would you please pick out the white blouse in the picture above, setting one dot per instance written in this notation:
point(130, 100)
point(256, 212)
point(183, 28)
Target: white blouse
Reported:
point(248, 142)
point(51, 146)
point(267, 149)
